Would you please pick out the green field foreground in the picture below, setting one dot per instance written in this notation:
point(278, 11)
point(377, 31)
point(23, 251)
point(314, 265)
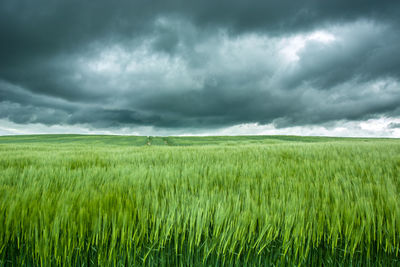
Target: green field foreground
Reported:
point(75, 200)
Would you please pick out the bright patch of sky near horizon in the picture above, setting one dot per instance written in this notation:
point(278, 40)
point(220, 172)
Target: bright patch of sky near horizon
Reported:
point(382, 127)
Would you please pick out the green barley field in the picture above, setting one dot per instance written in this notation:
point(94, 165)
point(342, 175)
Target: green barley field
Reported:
point(75, 200)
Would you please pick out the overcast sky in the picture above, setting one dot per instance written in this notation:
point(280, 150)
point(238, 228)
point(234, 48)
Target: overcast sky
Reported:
point(200, 67)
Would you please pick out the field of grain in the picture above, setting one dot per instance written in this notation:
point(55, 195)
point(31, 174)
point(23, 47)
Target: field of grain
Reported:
point(70, 200)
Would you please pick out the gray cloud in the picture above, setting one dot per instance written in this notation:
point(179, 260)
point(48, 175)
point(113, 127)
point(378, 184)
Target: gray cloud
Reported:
point(364, 50)
point(207, 64)
point(394, 125)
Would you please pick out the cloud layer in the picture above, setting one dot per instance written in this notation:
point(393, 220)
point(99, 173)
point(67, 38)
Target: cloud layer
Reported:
point(198, 65)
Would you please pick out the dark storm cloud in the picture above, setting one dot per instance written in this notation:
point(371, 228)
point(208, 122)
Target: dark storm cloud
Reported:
point(197, 64)
point(394, 125)
point(365, 51)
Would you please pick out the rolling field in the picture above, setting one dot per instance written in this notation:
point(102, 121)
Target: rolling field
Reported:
point(75, 200)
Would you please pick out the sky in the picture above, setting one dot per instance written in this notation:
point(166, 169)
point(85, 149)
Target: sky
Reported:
point(176, 67)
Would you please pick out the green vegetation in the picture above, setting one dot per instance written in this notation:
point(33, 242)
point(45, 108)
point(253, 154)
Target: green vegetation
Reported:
point(76, 200)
